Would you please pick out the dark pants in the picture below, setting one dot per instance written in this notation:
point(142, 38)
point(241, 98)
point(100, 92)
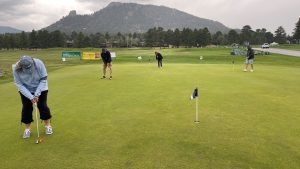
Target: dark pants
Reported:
point(28, 108)
point(159, 63)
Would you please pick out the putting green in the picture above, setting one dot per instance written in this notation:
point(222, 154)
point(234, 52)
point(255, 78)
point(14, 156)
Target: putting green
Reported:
point(143, 118)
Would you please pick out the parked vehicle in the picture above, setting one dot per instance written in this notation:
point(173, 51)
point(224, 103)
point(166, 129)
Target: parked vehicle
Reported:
point(265, 46)
point(274, 44)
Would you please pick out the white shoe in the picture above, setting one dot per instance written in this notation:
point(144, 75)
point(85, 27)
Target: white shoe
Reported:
point(26, 134)
point(251, 70)
point(48, 130)
point(245, 70)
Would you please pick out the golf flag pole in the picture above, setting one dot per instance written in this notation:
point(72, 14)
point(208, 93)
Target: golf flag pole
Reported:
point(197, 115)
point(195, 96)
point(233, 62)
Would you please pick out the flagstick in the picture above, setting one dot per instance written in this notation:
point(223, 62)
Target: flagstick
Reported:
point(197, 117)
point(233, 62)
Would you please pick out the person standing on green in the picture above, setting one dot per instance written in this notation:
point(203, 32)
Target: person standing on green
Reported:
point(30, 77)
point(107, 63)
point(159, 59)
point(249, 59)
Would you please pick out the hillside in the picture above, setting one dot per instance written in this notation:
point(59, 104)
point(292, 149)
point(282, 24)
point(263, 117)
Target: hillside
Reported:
point(132, 17)
point(7, 29)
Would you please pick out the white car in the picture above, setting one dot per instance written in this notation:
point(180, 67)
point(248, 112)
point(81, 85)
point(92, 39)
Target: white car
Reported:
point(265, 46)
point(274, 44)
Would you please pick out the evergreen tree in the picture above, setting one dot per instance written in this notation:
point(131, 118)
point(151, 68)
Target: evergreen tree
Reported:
point(1, 41)
point(269, 37)
point(151, 37)
point(12, 41)
point(43, 39)
point(135, 39)
point(86, 42)
point(198, 38)
point(246, 35)
point(94, 40)
point(6, 41)
point(130, 40)
point(23, 40)
point(296, 35)
point(187, 37)
point(203, 37)
point(160, 35)
point(218, 38)
point(177, 38)
point(280, 35)
point(102, 40)
point(169, 37)
point(74, 36)
point(233, 37)
point(206, 36)
point(57, 39)
point(80, 40)
point(107, 37)
point(33, 43)
point(260, 36)
point(119, 39)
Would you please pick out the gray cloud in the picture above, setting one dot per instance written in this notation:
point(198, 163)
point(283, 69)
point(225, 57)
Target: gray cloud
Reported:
point(12, 11)
point(95, 5)
point(108, 1)
point(269, 14)
point(6, 5)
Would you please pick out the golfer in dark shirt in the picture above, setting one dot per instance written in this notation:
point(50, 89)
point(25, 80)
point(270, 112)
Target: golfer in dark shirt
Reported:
point(249, 59)
point(106, 58)
point(159, 59)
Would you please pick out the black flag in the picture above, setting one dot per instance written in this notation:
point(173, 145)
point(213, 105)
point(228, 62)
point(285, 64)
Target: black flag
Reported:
point(194, 94)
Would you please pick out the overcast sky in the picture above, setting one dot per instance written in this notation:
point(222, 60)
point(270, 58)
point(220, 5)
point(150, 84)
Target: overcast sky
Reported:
point(270, 14)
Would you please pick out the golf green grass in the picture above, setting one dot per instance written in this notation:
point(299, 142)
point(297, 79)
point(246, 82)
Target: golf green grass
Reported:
point(143, 118)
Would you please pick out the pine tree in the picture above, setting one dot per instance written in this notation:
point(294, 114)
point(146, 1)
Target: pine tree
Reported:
point(246, 35)
point(33, 43)
point(280, 35)
point(297, 32)
point(23, 40)
point(233, 36)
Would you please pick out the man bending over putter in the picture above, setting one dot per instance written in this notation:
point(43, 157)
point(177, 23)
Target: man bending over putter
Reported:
point(30, 77)
point(159, 59)
point(106, 58)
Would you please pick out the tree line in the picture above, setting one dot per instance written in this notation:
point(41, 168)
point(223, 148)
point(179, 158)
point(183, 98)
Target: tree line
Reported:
point(154, 37)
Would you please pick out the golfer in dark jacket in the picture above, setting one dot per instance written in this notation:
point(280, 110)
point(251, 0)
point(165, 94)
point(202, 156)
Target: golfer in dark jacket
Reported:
point(249, 59)
point(106, 58)
point(159, 59)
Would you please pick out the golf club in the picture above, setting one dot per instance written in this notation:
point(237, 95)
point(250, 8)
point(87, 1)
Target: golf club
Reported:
point(38, 140)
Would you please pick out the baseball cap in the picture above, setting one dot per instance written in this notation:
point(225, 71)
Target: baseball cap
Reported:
point(26, 62)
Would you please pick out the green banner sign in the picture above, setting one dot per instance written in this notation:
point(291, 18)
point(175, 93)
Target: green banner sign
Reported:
point(70, 54)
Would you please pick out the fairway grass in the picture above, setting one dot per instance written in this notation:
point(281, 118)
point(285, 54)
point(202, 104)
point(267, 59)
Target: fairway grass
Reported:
point(143, 119)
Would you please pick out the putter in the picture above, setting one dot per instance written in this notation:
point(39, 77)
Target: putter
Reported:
point(38, 140)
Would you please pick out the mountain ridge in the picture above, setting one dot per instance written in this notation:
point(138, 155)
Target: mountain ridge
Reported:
point(8, 29)
point(132, 17)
